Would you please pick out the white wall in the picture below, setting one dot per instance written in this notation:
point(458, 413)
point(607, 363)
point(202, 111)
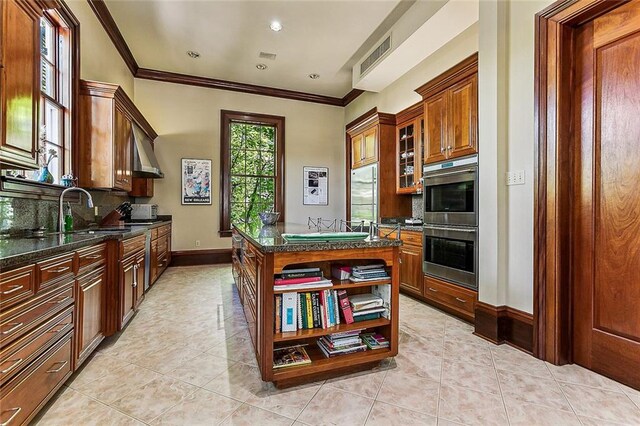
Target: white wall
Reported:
point(400, 94)
point(187, 119)
point(99, 59)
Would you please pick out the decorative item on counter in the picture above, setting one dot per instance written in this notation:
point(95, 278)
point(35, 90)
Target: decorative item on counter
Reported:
point(45, 175)
point(115, 217)
point(269, 231)
point(269, 218)
point(68, 180)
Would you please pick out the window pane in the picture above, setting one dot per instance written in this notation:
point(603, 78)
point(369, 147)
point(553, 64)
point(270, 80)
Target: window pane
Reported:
point(46, 40)
point(52, 122)
point(48, 78)
point(252, 151)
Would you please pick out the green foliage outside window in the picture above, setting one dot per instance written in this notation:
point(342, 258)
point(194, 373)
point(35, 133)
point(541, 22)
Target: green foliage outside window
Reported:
point(253, 171)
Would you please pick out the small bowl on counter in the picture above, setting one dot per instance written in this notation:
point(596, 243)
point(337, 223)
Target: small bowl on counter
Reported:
point(269, 218)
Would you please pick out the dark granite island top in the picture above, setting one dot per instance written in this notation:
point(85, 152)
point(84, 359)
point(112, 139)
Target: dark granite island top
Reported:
point(268, 239)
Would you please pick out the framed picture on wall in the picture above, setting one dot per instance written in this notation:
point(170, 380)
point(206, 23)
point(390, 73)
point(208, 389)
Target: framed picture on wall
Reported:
point(315, 186)
point(196, 181)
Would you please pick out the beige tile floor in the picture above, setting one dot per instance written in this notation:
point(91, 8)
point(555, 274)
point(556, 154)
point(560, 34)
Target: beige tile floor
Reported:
point(186, 359)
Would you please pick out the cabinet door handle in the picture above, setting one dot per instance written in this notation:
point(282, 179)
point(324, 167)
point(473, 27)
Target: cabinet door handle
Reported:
point(449, 148)
point(57, 271)
point(94, 256)
point(13, 416)
point(433, 289)
point(13, 289)
point(461, 300)
point(442, 150)
point(14, 328)
point(14, 364)
point(56, 370)
point(64, 299)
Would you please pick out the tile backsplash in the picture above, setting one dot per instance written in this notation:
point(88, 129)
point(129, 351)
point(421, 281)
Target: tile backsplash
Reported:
point(21, 214)
point(417, 203)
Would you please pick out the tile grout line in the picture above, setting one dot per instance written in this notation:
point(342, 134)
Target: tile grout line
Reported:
point(375, 398)
point(504, 403)
point(563, 392)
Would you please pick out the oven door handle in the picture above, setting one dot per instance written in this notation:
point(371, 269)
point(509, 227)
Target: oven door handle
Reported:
point(453, 172)
point(445, 228)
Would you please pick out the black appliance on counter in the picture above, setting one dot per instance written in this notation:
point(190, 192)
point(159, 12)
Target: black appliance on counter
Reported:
point(450, 230)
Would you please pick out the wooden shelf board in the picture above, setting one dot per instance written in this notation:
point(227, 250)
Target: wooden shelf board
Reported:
point(337, 285)
point(317, 332)
point(320, 363)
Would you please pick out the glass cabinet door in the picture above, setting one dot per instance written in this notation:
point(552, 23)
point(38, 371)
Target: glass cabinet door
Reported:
point(408, 140)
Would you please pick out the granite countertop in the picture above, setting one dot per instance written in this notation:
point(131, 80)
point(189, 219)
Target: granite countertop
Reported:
point(20, 251)
point(269, 239)
point(403, 227)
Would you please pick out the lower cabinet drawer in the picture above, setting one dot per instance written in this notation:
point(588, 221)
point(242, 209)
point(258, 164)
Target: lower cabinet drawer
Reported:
point(19, 320)
point(23, 395)
point(459, 299)
point(17, 285)
point(17, 356)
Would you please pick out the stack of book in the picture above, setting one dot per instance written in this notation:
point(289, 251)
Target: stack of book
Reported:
point(368, 273)
point(316, 309)
point(366, 307)
point(300, 279)
point(343, 343)
point(290, 356)
point(374, 340)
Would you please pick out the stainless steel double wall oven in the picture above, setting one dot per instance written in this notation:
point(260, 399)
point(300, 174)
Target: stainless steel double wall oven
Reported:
point(450, 231)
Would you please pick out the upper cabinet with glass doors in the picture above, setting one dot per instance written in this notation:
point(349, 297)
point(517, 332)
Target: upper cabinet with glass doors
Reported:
point(409, 141)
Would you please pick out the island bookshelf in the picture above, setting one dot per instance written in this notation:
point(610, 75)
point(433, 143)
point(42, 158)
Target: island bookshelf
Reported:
point(254, 269)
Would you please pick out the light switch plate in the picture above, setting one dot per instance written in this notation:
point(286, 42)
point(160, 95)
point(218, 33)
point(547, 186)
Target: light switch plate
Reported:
point(515, 177)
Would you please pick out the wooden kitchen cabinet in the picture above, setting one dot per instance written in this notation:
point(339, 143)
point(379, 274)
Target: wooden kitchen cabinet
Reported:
point(140, 273)
point(409, 147)
point(451, 113)
point(435, 122)
point(20, 79)
point(107, 116)
point(122, 147)
point(411, 276)
point(128, 276)
point(364, 148)
point(90, 313)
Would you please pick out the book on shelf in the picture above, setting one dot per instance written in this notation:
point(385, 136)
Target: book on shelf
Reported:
point(368, 317)
point(303, 280)
point(341, 272)
point(314, 309)
point(379, 310)
point(332, 346)
point(289, 308)
point(364, 280)
point(304, 285)
point(300, 273)
point(290, 356)
point(375, 341)
point(345, 306)
point(278, 313)
point(365, 301)
point(360, 268)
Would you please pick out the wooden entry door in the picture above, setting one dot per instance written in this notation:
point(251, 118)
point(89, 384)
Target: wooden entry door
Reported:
point(606, 197)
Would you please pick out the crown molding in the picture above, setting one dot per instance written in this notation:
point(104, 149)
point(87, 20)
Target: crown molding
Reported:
point(101, 11)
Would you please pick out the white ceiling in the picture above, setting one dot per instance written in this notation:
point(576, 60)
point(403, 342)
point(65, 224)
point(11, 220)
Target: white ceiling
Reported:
point(323, 37)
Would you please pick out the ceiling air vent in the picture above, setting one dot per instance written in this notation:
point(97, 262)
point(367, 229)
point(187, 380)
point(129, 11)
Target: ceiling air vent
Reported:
point(265, 55)
point(375, 55)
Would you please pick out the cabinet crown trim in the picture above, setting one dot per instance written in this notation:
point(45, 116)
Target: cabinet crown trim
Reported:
point(410, 113)
point(457, 73)
point(368, 119)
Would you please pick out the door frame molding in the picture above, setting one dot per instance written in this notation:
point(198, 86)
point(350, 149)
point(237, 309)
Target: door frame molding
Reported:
point(552, 303)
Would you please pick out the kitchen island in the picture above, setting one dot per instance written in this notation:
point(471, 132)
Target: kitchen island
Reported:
point(261, 253)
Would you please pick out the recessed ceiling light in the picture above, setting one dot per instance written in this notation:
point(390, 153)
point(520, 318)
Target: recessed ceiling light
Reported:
point(261, 67)
point(275, 26)
point(193, 54)
point(314, 76)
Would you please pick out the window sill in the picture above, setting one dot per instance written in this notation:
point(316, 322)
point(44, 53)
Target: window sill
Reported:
point(25, 188)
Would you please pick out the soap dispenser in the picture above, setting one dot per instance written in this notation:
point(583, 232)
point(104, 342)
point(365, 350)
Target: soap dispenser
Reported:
point(68, 219)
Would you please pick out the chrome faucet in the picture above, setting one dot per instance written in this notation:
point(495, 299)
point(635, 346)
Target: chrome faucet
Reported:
point(61, 201)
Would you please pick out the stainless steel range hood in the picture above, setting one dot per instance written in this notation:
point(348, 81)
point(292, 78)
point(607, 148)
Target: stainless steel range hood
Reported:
point(145, 163)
